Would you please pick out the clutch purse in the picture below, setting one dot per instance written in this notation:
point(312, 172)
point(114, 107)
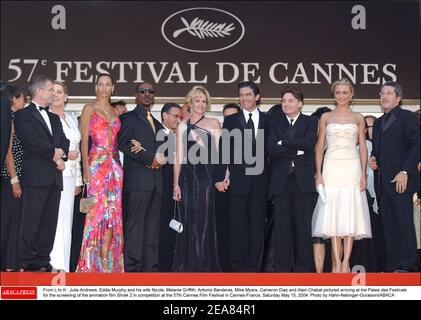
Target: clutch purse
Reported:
point(175, 224)
point(321, 190)
point(86, 203)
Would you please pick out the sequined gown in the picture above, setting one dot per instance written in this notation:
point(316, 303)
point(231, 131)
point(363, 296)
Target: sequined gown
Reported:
point(106, 184)
point(196, 247)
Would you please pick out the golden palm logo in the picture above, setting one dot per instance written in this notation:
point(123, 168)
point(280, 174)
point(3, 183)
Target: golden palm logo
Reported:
point(202, 29)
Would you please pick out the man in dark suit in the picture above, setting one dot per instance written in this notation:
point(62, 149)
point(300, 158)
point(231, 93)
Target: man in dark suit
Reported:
point(242, 147)
point(171, 114)
point(45, 150)
point(142, 183)
point(6, 121)
point(291, 141)
point(395, 157)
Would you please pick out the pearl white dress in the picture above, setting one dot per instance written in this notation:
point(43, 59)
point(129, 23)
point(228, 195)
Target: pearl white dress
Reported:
point(345, 212)
point(72, 177)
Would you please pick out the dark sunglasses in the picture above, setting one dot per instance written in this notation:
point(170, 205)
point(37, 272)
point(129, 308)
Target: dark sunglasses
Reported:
point(143, 91)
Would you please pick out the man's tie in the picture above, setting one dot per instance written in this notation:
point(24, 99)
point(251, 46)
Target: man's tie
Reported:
point(43, 108)
point(290, 128)
point(250, 125)
point(150, 119)
point(289, 133)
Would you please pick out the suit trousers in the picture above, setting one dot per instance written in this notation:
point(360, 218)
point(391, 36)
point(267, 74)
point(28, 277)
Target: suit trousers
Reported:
point(166, 235)
point(247, 225)
point(396, 212)
point(39, 222)
point(293, 211)
point(142, 231)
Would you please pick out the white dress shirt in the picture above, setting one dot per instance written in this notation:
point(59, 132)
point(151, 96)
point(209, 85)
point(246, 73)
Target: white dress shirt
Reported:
point(254, 117)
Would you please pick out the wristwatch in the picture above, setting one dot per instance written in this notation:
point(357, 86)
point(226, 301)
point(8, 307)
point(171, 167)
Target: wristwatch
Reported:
point(404, 172)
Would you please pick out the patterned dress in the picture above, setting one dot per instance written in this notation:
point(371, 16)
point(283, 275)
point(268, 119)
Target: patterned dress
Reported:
point(106, 185)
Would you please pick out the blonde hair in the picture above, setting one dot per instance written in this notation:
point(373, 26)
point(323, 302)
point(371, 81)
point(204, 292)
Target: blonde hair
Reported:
point(195, 91)
point(65, 88)
point(343, 81)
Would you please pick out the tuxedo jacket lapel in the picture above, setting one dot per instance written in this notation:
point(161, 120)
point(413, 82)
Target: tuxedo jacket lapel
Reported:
point(388, 123)
point(242, 120)
point(262, 124)
point(39, 118)
point(142, 116)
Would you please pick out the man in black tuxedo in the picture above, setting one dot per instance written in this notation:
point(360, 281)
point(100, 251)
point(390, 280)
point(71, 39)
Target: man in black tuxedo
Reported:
point(395, 157)
point(6, 121)
point(291, 140)
point(45, 150)
point(142, 183)
point(242, 147)
point(170, 114)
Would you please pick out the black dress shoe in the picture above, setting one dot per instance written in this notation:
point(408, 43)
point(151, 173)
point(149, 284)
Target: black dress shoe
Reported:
point(401, 269)
point(47, 268)
point(31, 268)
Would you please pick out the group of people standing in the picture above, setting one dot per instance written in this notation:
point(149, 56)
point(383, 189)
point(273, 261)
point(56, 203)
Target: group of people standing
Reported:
point(190, 168)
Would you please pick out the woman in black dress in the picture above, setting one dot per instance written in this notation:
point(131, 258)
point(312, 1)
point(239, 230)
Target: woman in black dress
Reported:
point(11, 192)
point(197, 140)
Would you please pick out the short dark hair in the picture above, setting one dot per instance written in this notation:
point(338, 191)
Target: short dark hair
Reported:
point(396, 86)
point(319, 111)
point(231, 106)
point(14, 91)
point(167, 107)
point(297, 93)
point(118, 103)
point(143, 82)
point(252, 85)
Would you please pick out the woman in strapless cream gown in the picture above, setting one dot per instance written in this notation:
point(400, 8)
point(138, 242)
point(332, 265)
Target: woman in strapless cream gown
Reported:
point(344, 215)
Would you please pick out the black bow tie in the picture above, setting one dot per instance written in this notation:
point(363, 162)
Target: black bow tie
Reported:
point(43, 108)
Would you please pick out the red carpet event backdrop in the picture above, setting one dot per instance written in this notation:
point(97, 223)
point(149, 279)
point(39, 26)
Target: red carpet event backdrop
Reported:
point(177, 45)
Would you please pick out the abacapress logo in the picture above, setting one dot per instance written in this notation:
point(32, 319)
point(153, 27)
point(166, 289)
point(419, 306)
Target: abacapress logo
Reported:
point(18, 292)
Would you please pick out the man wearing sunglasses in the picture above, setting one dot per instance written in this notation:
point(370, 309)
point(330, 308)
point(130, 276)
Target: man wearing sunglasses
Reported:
point(142, 183)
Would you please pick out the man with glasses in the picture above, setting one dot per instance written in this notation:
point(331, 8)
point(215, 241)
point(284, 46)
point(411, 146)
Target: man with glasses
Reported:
point(395, 156)
point(45, 148)
point(171, 114)
point(142, 186)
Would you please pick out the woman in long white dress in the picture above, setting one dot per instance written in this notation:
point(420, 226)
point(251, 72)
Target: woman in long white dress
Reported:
point(344, 215)
point(72, 181)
